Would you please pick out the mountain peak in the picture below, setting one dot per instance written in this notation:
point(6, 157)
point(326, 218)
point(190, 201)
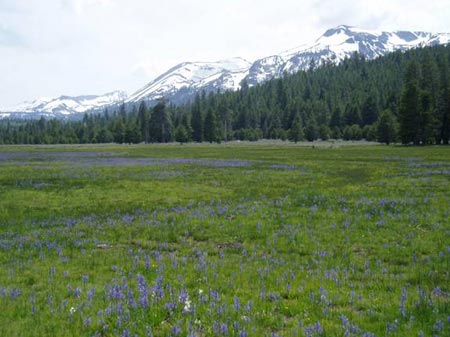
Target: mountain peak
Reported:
point(182, 81)
point(337, 30)
point(188, 77)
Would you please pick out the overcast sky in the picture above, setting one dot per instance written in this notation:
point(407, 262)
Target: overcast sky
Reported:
point(75, 47)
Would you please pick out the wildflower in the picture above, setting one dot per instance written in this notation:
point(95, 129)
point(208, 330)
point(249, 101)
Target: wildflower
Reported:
point(243, 333)
point(437, 291)
point(147, 262)
point(438, 326)
point(187, 306)
point(131, 299)
point(223, 329)
point(183, 296)
point(248, 306)
point(176, 330)
point(91, 294)
point(127, 218)
point(170, 306)
point(214, 294)
point(312, 330)
point(402, 302)
point(237, 304)
point(143, 291)
point(15, 293)
point(126, 333)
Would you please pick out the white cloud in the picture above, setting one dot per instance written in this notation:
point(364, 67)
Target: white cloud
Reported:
point(8, 37)
point(80, 6)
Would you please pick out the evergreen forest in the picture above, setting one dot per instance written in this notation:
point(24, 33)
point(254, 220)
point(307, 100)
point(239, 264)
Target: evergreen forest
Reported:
point(402, 97)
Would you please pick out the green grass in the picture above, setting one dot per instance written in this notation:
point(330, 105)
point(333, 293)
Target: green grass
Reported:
point(235, 239)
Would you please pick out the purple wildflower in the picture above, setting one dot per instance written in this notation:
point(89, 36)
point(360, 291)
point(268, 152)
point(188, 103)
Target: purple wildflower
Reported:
point(237, 303)
point(15, 293)
point(143, 291)
point(224, 329)
point(125, 333)
point(176, 330)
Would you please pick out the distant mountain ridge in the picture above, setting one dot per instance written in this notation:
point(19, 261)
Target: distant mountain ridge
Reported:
point(180, 83)
point(63, 107)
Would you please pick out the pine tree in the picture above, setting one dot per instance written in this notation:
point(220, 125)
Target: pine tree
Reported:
point(426, 118)
point(311, 130)
point(132, 131)
point(336, 118)
point(225, 115)
point(336, 133)
point(369, 110)
point(415, 113)
point(443, 105)
point(410, 106)
point(123, 112)
point(386, 128)
point(324, 132)
point(186, 123)
point(275, 130)
point(144, 121)
point(160, 123)
point(181, 134)
point(296, 131)
point(352, 115)
point(443, 113)
point(429, 77)
point(197, 120)
point(210, 127)
point(352, 132)
point(119, 131)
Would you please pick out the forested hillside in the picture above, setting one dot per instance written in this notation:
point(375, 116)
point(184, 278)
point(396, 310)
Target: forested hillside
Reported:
point(404, 96)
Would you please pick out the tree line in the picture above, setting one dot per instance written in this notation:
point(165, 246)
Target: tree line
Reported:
point(404, 96)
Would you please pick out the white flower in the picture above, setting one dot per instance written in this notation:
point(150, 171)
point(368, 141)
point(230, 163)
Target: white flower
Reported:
point(72, 310)
point(187, 306)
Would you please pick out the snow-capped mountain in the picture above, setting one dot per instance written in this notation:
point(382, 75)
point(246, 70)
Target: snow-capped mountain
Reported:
point(338, 43)
point(186, 78)
point(182, 81)
point(63, 106)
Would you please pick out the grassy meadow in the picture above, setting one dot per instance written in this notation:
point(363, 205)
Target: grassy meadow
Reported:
point(235, 239)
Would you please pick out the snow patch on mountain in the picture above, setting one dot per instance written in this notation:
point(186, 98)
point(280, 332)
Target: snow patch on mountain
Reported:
point(341, 42)
point(225, 75)
point(63, 106)
point(184, 80)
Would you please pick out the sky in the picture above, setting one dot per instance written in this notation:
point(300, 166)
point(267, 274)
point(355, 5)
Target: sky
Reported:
point(50, 48)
